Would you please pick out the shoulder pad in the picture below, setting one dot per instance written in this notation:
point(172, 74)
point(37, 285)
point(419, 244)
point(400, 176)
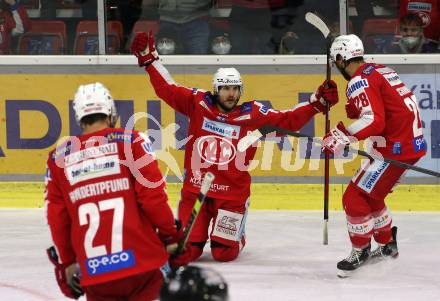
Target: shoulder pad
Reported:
point(209, 98)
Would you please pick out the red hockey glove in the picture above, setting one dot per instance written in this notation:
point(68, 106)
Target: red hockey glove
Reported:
point(336, 140)
point(143, 48)
point(69, 287)
point(171, 241)
point(353, 112)
point(327, 92)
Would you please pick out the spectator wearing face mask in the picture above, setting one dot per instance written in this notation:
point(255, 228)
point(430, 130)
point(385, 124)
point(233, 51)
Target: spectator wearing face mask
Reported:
point(412, 38)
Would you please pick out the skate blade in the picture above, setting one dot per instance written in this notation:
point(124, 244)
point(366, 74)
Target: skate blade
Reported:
point(345, 274)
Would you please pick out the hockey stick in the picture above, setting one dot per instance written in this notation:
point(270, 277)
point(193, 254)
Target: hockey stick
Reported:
point(206, 183)
point(323, 28)
point(269, 129)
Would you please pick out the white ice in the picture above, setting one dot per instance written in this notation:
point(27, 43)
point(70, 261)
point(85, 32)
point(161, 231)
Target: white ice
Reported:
point(284, 259)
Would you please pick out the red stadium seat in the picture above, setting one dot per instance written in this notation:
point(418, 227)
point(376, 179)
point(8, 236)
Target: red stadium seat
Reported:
point(146, 26)
point(86, 40)
point(378, 33)
point(44, 38)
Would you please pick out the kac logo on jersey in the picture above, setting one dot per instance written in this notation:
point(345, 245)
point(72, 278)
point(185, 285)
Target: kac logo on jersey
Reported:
point(222, 129)
point(216, 150)
point(109, 263)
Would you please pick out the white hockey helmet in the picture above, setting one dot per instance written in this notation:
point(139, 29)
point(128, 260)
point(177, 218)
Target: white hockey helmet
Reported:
point(227, 77)
point(93, 99)
point(348, 46)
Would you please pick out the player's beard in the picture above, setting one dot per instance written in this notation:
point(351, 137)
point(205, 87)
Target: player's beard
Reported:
point(225, 108)
point(344, 73)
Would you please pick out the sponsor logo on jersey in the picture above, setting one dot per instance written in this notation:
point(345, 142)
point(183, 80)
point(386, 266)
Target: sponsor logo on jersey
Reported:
point(222, 129)
point(360, 84)
point(216, 150)
point(119, 137)
point(246, 108)
point(372, 175)
point(264, 110)
point(91, 152)
point(368, 70)
point(360, 229)
point(382, 221)
point(109, 263)
point(93, 168)
point(419, 144)
point(99, 188)
point(227, 225)
point(397, 148)
point(393, 79)
point(420, 6)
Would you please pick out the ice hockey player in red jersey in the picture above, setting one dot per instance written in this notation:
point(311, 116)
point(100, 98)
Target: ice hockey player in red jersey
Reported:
point(216, 124)
point(110, 229)
point(386, 111)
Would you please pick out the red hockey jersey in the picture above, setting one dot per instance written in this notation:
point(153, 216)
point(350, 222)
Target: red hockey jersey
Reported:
point(214, 135)
point(429, 11)
point(105, 199)
point(388, 109)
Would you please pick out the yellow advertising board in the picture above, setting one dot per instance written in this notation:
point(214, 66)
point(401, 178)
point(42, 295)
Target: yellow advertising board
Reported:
point(35, 111)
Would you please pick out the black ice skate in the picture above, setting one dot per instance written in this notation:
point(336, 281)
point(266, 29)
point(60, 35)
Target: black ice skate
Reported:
point(387, 251)
point(356, 258)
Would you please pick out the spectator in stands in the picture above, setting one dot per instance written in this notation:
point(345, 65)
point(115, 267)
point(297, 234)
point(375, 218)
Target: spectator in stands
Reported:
point(186, 22)
point(251, 26)
point(14, 21)
point(412, 38)
point(428, 11)
point(302, 38)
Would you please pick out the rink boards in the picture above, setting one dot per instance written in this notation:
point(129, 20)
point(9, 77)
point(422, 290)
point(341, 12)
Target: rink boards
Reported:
point(263, 196)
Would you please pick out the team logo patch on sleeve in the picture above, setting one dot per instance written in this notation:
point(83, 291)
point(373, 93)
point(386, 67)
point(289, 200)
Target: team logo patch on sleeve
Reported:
point(246, 107)
point(419, 144)
point(368, 70)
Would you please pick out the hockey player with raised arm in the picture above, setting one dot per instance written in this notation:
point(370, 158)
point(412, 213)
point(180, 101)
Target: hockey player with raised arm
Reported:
point(107, 208)
point(216, 124)
point(386, 111)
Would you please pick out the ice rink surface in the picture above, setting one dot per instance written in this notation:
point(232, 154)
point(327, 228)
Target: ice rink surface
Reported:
point(284, 259)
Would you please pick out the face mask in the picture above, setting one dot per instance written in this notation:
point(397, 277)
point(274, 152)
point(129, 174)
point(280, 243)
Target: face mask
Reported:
point(410, 42)
point(166, 46)
point(221, 45)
